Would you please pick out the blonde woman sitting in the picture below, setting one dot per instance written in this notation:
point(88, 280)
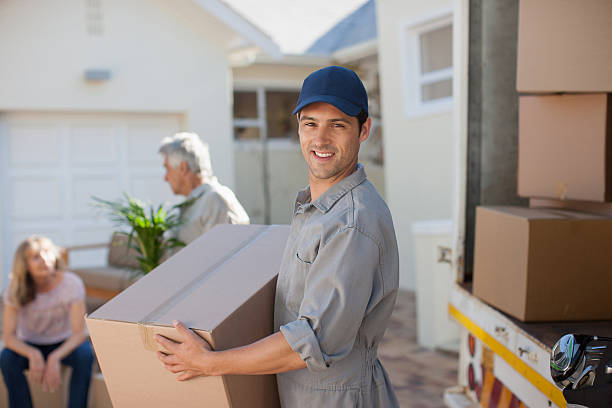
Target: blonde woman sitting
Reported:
point(43, 325)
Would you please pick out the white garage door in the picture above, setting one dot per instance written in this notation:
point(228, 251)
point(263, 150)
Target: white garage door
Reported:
point(51, 164)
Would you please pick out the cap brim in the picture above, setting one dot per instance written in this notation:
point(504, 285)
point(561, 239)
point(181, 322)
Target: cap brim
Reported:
point(342, 104)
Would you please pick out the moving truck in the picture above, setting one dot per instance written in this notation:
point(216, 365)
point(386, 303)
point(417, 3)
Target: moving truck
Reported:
point(535, 268)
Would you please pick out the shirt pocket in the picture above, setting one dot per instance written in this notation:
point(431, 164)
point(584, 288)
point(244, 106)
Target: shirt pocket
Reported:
point(297, 281)
point(304, 255)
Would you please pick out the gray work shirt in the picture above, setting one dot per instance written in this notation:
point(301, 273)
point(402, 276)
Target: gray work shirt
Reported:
point(211, 203)
point(335, 293)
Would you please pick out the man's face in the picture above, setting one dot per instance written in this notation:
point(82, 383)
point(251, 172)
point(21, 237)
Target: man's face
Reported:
point(330, 141)
point(174, 177)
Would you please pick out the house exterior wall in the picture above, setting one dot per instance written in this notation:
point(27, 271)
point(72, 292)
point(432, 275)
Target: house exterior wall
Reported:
point(166, 59)
point(418, 149)
point(169, 63)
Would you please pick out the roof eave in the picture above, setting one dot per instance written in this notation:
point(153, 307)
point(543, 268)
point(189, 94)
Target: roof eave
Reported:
point(294, 60)
point(241, 26)
point(356, 51)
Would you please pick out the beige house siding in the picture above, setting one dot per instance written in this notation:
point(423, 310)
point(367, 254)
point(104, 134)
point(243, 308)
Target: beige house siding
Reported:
point(418, 148)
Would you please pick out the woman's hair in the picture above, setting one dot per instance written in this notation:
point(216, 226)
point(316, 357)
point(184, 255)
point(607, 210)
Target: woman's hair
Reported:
point(21, 289)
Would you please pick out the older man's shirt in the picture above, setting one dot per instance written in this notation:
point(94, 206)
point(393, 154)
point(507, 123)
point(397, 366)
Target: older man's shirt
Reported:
point(335, 293)
point(207, 205)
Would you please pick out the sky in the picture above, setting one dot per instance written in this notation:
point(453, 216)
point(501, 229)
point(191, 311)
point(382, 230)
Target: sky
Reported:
point(294, 25)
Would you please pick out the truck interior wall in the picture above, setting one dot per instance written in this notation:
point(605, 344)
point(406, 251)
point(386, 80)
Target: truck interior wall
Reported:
point(492, 145)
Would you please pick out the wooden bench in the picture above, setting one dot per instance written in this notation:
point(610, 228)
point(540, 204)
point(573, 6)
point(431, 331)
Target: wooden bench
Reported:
point(102, 283)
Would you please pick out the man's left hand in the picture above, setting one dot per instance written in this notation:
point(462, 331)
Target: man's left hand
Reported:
point(188, 359)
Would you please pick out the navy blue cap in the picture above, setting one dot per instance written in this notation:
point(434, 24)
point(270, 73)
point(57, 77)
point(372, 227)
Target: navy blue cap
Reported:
point(337, 86)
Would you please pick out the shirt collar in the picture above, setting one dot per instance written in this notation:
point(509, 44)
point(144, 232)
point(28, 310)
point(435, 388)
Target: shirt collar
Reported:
point(333, 194)
point(196, 193)
point(201, 189)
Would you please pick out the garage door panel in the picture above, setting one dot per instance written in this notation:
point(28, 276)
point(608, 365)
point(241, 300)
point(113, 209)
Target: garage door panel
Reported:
point(94, 145)
point(35, 197)
point(52, 163)
point(84, 187)
point(143, 143)
point(33, 145)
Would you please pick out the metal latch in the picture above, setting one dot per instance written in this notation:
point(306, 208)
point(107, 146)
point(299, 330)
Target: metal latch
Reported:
point(531, 355)
point(445, 255)
point(501, 331)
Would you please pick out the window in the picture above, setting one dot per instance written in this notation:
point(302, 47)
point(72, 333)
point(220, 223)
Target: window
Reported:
point(429, 66)
point(245, 104)
point(264, 112)
point(280, 122)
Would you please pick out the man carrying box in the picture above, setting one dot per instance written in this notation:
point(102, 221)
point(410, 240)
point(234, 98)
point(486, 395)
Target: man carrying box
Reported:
point(339, 275)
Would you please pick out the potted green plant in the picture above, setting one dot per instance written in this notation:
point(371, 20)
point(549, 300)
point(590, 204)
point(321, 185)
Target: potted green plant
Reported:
point(147, 226)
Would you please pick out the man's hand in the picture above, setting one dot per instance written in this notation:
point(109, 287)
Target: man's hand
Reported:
point(194, 357)
point(52, 378)
point(188, 359)
point(36, 365)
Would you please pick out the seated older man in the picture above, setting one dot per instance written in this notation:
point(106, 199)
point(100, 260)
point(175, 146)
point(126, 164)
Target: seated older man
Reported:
point(189, 173)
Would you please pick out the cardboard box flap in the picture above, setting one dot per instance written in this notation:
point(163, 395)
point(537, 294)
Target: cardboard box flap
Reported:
point(227, 286)
point(532, 214)
point(159, 298)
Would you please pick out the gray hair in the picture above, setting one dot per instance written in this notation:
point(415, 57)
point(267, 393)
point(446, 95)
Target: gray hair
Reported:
point(190, 148)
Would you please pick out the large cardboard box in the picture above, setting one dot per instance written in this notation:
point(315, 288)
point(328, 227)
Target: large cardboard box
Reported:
point(544, 264)
point(565, 147)
point(98, 393)
point(564, 46)
point(222, 285)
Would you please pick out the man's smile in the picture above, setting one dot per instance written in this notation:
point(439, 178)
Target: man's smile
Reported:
point(322, 155)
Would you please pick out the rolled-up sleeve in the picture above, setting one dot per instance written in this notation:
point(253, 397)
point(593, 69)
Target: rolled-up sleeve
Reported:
point(337, 291)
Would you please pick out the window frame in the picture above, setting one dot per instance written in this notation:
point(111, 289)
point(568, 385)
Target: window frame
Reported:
point(413, 79)
point(260, 122)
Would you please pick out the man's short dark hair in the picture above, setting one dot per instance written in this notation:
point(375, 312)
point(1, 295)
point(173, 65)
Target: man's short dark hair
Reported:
point(361, 118)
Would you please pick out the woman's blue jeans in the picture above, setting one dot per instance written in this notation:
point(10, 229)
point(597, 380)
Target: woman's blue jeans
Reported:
point(13, 366)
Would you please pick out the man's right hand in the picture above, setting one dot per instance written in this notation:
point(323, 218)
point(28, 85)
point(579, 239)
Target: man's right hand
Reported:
point(182, 358)
point(37, 365)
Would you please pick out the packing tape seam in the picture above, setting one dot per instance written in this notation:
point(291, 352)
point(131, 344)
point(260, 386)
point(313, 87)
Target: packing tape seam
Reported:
point(147, 332)
point(561, 191)
point(146, 335)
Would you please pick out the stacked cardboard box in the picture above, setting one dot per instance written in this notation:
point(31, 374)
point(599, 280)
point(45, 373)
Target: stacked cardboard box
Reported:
point(543, 264)
point(564, 46)
point(565, 146)
point(222, 286)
